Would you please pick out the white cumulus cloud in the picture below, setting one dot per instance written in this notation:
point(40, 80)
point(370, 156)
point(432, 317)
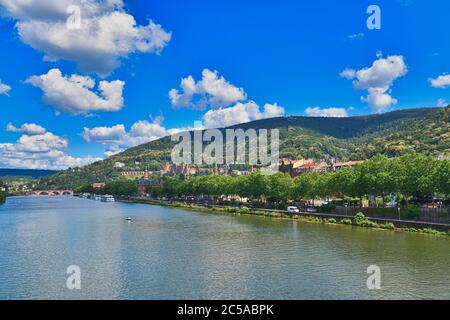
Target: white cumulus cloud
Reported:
point(326, 112)
point(117, 138)
point(27, 128)
point(76, 94)
point(442, 103)
point(212, 90)
point(106, 33)
point(4, 88)
point(40, 151)
point(240, 113)
point(441, 82)
point(378, 80)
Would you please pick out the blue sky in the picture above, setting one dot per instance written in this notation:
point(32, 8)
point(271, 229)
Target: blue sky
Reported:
point(263, 58)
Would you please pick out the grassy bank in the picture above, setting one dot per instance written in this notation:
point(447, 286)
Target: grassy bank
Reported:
point(360, 220)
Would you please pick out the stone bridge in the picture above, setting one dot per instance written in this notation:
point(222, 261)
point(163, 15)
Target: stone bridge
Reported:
point(51, 193)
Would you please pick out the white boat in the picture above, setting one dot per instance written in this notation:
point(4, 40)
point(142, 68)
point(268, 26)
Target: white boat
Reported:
point(108, 198)
point(98, 198)
point(128, 219)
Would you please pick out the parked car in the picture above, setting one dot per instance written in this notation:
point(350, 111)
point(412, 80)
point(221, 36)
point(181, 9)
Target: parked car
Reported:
point(293, 209)
point(311, 209)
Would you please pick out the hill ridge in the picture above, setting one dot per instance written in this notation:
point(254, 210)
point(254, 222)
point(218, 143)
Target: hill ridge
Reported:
point(423, 130)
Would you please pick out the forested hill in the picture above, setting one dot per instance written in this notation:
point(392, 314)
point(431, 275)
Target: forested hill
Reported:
point(26, 173)
point(354, 138)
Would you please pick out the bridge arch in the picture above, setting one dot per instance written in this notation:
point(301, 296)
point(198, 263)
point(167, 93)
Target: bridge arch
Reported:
point(52, 193)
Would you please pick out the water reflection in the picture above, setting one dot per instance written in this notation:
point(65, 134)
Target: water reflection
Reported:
point(167, 253)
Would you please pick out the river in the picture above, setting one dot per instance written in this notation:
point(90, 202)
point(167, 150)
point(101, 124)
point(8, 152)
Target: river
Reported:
point(170, 253)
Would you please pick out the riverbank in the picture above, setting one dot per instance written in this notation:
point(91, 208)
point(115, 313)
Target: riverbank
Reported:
point(184, 254)
point(2, 198)
point(359, 220)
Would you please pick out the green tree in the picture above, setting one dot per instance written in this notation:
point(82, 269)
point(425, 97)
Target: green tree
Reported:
point(343, 181)
point(253, 186)
point(280, 187)
point(306, 186)
point(123, 188)
point(379, 176)
point(441, 178)
point(415, 175)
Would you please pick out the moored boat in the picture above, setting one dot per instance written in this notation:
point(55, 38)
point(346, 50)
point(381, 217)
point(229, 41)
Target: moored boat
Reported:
point(108, 198)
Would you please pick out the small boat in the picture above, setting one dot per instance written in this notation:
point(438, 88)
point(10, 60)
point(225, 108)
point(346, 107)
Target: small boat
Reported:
point(108, 198)
point(128, 219)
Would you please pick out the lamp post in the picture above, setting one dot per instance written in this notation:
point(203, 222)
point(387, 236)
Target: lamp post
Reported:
point(399, 218)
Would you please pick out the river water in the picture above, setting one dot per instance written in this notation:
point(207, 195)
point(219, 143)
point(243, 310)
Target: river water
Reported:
point(168, 253)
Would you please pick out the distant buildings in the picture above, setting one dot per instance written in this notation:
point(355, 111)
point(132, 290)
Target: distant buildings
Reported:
point(194, 170)
point(175, 169)
point(145, 183)
point(98, 185)
point(348, 164)
point(133, 174)
point(297, 167)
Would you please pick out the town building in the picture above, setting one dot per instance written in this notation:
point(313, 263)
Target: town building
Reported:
point(132, 174)
point(174, 169)
point(98, 185)
point(297, 167)
point(339, 165)
point(292, 167)
point(119, 165)
point(145, 183)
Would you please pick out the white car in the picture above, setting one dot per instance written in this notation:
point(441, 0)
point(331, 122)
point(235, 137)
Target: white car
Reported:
point(293, 210)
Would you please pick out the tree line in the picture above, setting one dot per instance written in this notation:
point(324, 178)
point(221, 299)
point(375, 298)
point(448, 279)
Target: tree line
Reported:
point(119, 187)
point(414, 178)
point(2, 194)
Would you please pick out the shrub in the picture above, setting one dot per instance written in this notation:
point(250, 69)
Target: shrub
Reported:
point(274, 214)
point(346, 221)
point(332, 220)
point(432, 232)
point(231, 209)
point(370, 224)
point(389, 226)
point(244, 210)
point(412, 212)
point(359, 219)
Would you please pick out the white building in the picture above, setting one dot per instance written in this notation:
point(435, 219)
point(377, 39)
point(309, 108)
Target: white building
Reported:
point(119, 165)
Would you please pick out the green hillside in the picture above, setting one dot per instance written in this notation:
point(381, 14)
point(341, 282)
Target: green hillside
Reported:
point(354, 138)
point(26, 173)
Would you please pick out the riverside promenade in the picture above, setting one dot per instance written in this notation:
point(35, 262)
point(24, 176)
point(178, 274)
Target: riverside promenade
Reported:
point(399, 223)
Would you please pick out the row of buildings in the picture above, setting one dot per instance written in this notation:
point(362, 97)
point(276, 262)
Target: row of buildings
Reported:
point(288, 166)
point(292, 167)
point(186, 170)
point(297, 167)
